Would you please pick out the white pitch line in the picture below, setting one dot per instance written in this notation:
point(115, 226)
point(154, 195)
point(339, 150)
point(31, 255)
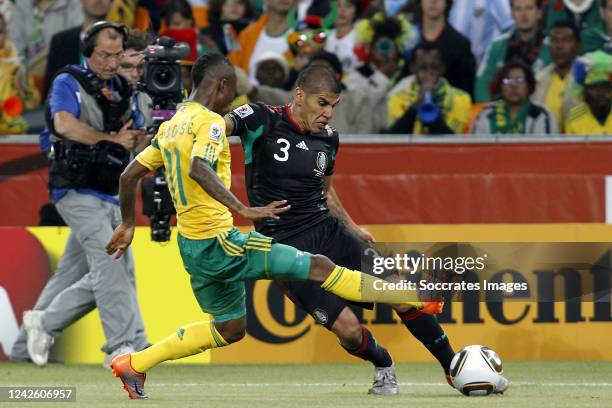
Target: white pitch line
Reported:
point(341, 384)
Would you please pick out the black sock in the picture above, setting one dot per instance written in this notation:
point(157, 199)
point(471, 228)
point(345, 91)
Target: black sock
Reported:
point(370, 350)
point(427, 330)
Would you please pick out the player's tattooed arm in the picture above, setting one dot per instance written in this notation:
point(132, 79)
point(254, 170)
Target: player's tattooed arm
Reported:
point(208, 179)
point(337, 210)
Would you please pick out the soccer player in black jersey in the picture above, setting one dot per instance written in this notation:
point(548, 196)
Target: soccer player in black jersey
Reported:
point(290, 153)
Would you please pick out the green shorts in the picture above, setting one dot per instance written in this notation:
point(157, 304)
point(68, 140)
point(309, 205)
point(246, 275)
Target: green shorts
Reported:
point(219, 266)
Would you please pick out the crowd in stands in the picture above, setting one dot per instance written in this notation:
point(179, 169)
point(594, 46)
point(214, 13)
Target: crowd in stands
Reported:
point(427, 67)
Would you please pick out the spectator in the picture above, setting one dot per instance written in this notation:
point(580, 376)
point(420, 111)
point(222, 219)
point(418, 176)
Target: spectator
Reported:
point(341, 39)
point(271, 70)
point(354, 113)
point(180, 25)
point(583, 13)
point(307, 39)
point(449, 106)
point(16, 89)
point(34, 24)
point(382, 43)
point(432, 18)
point(226, 19)
point(481, 21)
point(552, 81)
point(326, 10)
point(124, 12)
point(524, 43)
point(593, 116)
point(268, 33)
point(177, 14)
point(131, 67)
point(514, 113)
point(599, 38)
point(65, 46)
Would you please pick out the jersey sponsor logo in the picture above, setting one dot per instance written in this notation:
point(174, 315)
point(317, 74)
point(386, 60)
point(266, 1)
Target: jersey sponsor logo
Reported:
point(215, 132)
point(321, 164)
point(243, 111)
point(302, 145)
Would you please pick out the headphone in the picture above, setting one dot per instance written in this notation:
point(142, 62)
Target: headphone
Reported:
point(89, 41)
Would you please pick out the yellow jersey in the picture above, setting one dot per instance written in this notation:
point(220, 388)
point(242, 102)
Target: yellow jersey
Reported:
point(194, 131)
point(580, 121)
point(555, 94)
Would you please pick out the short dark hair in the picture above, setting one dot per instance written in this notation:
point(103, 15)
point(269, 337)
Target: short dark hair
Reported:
point(357, 5)
point(206, 66)
point(569, 25)
point(505, 70)
point(427, 47)
point(137, 40)
point(389, 27)
point(318, 78)
point(177, 6)
point(215, 9)
point(418, 10)
point(330, 58)
point(537, 2)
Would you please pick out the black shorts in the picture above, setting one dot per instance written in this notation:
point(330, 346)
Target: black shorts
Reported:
point(332, 239)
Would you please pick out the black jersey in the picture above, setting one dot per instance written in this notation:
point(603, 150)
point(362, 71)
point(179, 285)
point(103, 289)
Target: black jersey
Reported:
point(285, 163)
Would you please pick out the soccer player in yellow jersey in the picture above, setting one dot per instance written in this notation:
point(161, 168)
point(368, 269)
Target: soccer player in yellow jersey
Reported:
point(194, 150)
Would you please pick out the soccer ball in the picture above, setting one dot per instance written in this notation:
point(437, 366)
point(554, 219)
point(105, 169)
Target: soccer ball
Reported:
point(476, 370)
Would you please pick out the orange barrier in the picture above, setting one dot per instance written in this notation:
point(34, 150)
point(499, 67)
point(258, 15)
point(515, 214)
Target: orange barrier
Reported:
point(406, 183)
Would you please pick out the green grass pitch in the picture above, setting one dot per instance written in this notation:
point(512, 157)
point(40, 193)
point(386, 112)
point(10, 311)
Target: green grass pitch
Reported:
point(533, 384)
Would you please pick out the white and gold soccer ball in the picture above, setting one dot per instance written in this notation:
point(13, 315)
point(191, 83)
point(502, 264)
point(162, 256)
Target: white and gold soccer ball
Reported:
point(477, 370)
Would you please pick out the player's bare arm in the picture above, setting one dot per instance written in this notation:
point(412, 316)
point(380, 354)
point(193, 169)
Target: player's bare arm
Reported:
point(229, 125)
point(337, 210)
point(124, 233)
point(208, 179)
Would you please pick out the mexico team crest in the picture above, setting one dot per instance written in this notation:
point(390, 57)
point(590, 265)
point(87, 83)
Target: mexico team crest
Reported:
point(321, 163)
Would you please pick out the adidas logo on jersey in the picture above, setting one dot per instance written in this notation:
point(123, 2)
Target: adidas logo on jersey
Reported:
point(302, 146)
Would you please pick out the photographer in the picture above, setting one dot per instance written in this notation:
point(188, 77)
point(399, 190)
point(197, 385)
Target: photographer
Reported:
point(131, 67)
point(89, 118)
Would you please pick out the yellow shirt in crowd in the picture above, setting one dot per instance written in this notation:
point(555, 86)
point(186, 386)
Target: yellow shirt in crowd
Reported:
point(554, 97)
point(194, 131)
point(581, 121)
point(455, 106)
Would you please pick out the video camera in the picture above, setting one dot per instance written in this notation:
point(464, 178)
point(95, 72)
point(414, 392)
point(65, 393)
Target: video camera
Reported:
point(162, 82)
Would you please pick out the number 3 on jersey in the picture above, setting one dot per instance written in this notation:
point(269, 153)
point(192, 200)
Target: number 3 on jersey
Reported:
point(284, 150)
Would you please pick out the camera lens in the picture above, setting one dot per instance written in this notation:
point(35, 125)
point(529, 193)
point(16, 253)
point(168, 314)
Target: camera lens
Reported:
point(163, 78)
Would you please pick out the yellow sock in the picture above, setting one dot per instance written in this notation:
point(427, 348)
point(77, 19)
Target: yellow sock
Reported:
point(360, 287)
point(186, 341)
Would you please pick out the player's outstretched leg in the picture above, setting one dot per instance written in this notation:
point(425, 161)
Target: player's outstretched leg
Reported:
point(359, 287)
point(188, 340)
point(428, 331)
point(358, 341)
